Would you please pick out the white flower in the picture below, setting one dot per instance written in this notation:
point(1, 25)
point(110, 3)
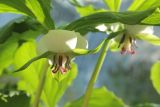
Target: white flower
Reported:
point(61, 43)
point(128, 40)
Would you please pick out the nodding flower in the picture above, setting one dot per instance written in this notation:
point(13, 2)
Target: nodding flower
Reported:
point(128, 37)
point(61, 43)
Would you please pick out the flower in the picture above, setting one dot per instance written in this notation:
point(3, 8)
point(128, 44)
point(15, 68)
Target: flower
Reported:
point(128, 40)
point(61, 43)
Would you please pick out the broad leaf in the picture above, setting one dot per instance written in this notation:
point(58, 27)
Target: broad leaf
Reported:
point(154, 18)
point(20, 100)
point(30, 77)
point(101, 97)
point(7, 51)
point(91, 21)
point(44, 55)
point(140, 5)
point(155, 76)
point(155, 40)
point(53, 89)
point(20, 25)
point(32, 8)
point(113, 5)
point(87, 10)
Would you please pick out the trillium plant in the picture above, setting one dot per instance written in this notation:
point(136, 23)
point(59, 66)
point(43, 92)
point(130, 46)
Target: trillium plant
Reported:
point(60, 45)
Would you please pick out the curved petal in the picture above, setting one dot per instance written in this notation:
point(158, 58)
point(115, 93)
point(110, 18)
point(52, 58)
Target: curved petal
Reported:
point(136, 29)
point(58, 41)
point(82, 43)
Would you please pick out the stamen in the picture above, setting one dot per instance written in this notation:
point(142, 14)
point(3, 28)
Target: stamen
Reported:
point(122, 40)
point(60, 60)
point(60, 63)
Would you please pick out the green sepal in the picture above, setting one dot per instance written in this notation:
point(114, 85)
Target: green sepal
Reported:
point(97, 49)
point(44, 55)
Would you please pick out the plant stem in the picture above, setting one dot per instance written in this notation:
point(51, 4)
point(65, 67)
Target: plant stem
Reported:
point(41, 84)
point(95, 74)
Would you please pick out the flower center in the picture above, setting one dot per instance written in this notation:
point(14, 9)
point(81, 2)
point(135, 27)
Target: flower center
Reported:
point(61, 63)
point(128, 44)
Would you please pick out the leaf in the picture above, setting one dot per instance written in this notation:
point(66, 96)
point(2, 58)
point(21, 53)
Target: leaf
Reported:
point(100, 97)
point(91, 21)
point(21, 100)
point(114, 5)
point(87, 10)
point(148, 105)
point(7, 51)
point(155, 40)
point(140, 5)
point(155, 76)
point(44, 55)
point(32, 8)
point(54, 89)
point(30, 77)
point(97, 49)
point(154, 18)
point(19, 25)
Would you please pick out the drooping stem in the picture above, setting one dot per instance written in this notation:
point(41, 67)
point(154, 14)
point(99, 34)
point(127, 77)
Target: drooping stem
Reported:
point(95, 74)
point(41, 84)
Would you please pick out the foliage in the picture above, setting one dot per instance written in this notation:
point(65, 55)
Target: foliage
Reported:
point(17, 46)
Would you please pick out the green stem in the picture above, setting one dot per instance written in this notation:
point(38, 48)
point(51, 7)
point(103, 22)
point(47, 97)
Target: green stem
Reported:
point(95, 74)
point(41, 84)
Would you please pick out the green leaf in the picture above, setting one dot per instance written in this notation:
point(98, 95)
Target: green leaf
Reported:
point(87, 10)
point(154, 18)
point(7, 51)
point(32, 8)
point(21, 25)
point(101, 97)
point(155, 40)
point(20, 100)
point(140, 5)
point(97, 49)
point(30, 77)
point(44, 55)
point(148, 105)
point(54, 89)
point(155, 76)
point(91, 21)
point(114, 5)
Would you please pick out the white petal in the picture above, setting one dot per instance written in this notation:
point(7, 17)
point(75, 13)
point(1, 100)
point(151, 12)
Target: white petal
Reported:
point(137, 29)
point(101, 27)
point(82, 43)
point(60, 41)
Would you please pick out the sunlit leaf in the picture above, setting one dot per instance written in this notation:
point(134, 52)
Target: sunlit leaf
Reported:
point(87, 10)
point(54, 89)
point(113, 5)
point(30, 77)
point(155, 76)
point(34, 8)
point(100, 97)
point(140, 5)
point(155, 40)
point(154, 18)
point(7, 51)
point(44, 55)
